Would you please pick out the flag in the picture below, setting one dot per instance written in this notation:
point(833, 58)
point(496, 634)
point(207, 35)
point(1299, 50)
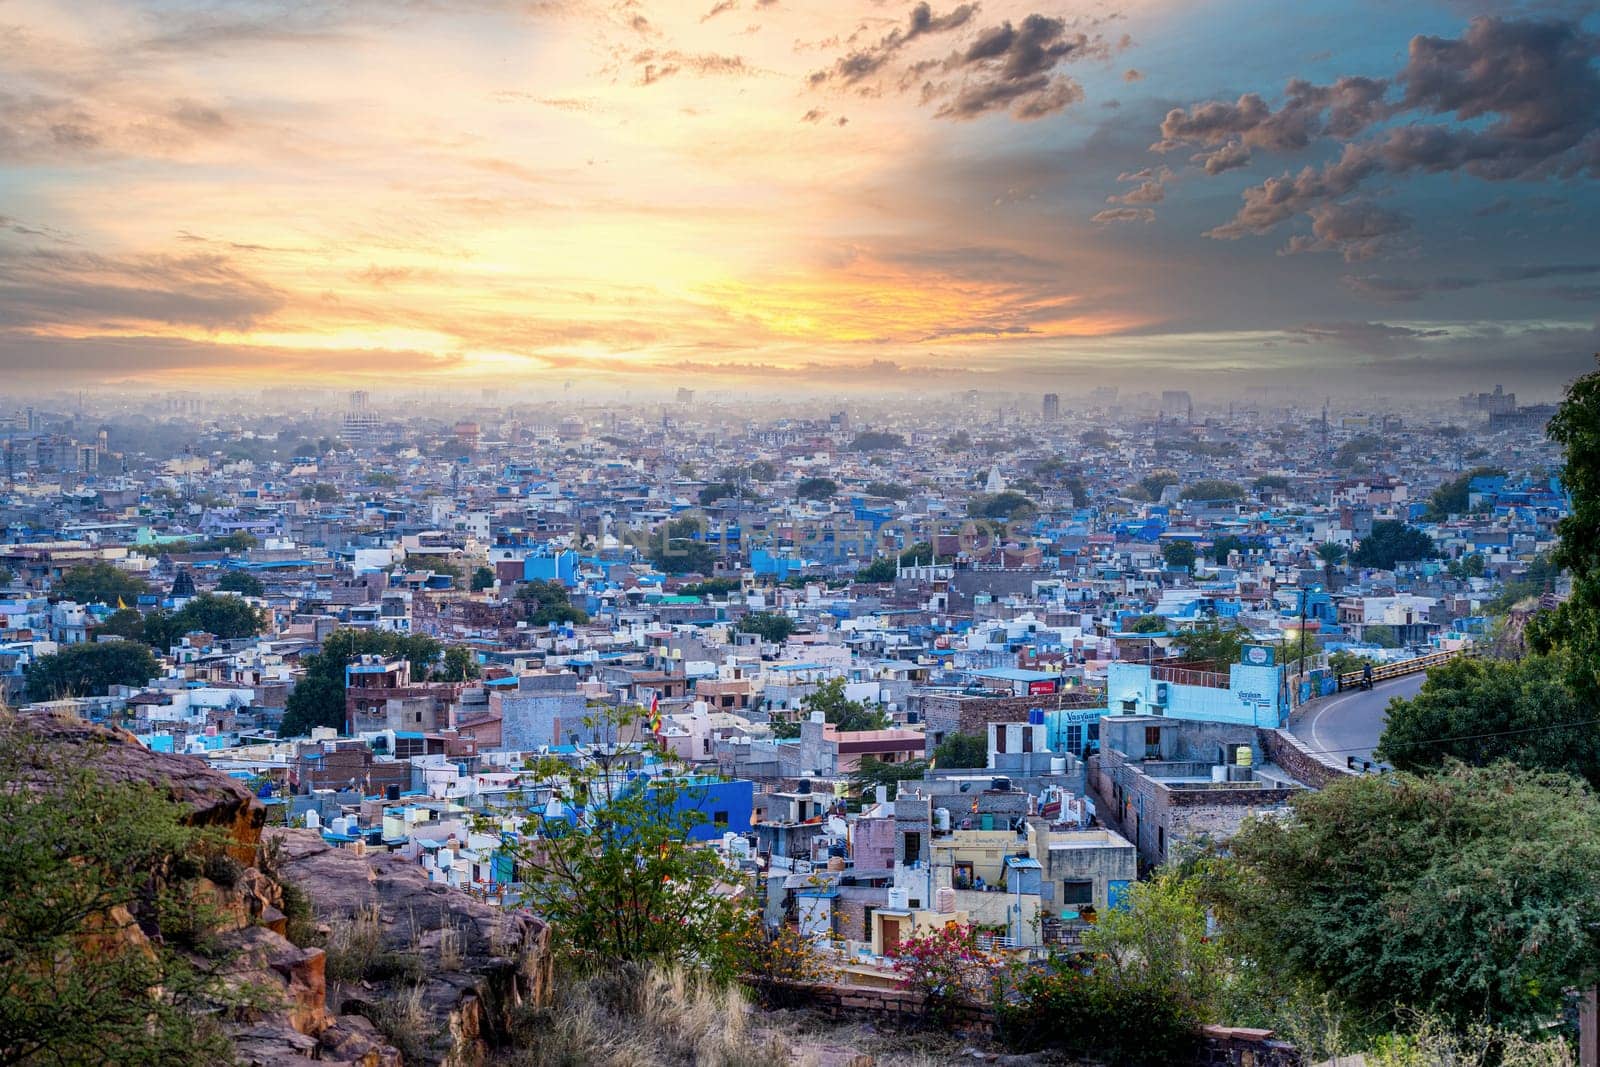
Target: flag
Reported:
point(655, 713)
point(120, 605)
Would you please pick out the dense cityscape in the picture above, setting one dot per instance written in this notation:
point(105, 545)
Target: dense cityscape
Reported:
point(844, 533)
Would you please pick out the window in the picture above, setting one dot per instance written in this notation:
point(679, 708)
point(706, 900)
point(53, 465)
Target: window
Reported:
point(1161, 840)
point(1074, 738)
point(1077, 892)
point(911, 847)
point(719, 818)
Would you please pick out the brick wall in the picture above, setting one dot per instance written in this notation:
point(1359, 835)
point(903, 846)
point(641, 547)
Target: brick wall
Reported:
point(1293, 755)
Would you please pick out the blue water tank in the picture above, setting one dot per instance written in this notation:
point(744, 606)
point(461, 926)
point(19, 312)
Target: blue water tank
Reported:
point(1035, 716)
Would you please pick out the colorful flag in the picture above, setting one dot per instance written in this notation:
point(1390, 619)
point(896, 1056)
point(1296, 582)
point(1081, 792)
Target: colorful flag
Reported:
point(655, 713)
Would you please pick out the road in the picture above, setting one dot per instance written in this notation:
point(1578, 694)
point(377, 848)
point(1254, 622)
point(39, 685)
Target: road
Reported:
point(1351, 723)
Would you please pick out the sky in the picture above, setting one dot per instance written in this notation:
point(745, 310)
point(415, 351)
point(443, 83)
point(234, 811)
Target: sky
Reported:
point(784, 194)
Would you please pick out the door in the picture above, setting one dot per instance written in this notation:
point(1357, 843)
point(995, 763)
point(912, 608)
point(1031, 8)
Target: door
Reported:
point(891, 936)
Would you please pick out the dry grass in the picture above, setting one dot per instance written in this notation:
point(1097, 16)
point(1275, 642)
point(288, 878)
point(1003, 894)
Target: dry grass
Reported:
point(354, 945)
point(644, 1018)
point(452, 947)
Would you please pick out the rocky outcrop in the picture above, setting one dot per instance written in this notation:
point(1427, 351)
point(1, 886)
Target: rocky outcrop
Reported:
point(214, 799)
point(457, 968)
point(448, 971)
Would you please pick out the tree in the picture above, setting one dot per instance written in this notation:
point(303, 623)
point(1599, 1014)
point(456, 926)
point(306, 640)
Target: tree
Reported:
point(872, 772)
point(717, 491)
point(1479, 711)
point(1214, 642)
point(1381, 635)
point(321, 492)
point(959, 441)
point(6, 577)
point(162, 630)
point(1179, 554)
point(318, 697)
point(1474, 893)
point(460, 665)
point(774, 627)
point(816, 488)
point(482, 578)
point(242, 582)
point(1095, 438)
point(1469, 566)
point(921, 554)
point(224, 616)
point(1008, 506)
point(100, 583)
point(877, 441)
point(89, 670)
point(1149, 624)
point(1392, 542)
point(962, 750)
point(1454, 496)
point(888, 490)
point(881, 569)
point(88, 861)
point(549, 604)
point(838, 709)
point(126, 623)
point(1214, 489)
point(1227, 543)
point(1151, 486)
point(617, 873)
point(1271, 483)
point(678, 549)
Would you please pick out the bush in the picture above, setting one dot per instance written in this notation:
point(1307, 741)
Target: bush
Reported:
point(1088, 1013)
point(947, 967)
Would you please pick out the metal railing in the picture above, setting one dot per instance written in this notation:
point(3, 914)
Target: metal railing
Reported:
point(1400, 668)
point(1186, 676)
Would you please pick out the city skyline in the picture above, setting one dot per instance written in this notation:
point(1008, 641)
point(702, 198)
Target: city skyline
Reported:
point(750, 194)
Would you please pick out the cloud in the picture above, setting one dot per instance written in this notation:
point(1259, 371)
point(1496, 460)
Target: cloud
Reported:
point(1131, 75)
point(1011, 67)
point(859, 65)
point(1394, 289)
point(659, 65)
point(43, 289)
point(1357, 229)
point(1230, 156)
point(719, 8)
point(1525, 97)
point(1124, 214)
point(1377, 338)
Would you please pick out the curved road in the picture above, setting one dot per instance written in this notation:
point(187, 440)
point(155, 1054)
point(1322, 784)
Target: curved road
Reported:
point(1351, 723)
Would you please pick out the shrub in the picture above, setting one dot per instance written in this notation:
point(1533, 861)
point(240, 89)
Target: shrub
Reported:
point(947, 967)
point(1092, 1013)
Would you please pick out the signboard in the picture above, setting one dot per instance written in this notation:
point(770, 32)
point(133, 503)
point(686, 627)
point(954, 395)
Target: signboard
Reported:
point(1260, 655)
point(1041, 688)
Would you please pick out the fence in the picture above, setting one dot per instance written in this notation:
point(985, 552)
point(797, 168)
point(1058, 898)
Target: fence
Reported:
point(1400, 668)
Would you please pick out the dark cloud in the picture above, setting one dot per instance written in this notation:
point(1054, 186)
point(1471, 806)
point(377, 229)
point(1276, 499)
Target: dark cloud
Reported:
point(719, 8)
point(656, 65)
point(1375, 338)
point(1409, 289)
point(1124, 214)
point(859, 65)
point(1230, 156)
point(1012, 67)
point(1357, 229)
point(1525, 97)
point(1131, 75)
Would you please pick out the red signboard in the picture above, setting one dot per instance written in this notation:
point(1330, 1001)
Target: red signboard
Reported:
point(1041, 688)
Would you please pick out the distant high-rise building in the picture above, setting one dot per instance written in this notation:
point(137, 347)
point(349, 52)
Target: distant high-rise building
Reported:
point(1052, 406)
point(685, 396)
point(1176, 406)
point(360, 422)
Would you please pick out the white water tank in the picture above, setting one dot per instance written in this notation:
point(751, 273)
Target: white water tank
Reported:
point(1058, 765)
point(313, 820)
point(941, 819)
point(944, 900)
point(1219, 773)
point(899, 899)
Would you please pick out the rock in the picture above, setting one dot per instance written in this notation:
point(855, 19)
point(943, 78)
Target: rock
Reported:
point(354, 1040)
point(213, 798)
point(477, 963)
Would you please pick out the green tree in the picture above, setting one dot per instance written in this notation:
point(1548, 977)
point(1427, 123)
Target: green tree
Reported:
point(962, 750)
point(618, 874)
point(242, 582)
point(6, 577)
point(1222, 546)
point(162, 630)
point(321, 492)
point(676, 548)
point(100, 583)
point(1454, 496)
point(1575, 624)
point(1214, 489)
point(1473, 894)
point(888, 490)
point(88, 861)
point(877, 441)
point(1008, 506)
point(482, 578)
point(872, 772)
point(1392, 542)
point(318, 697)
point(921, 554)
point(716, 491)
point(1148, 624)
point(1214, 641)
point(1469, 566)
point(1273, 483)
point(881, 569)
point(774, 627)
point(549, 603)
point(1151, 486)
point(838, 709)
point(460, 665)
point(1381, 635)
point(959, 441)
point(816, 488)
point(126, 623)
point(89, 670)
point(1179, 554)
point(224, 616)
point(1479, 711)
point(1095, 438)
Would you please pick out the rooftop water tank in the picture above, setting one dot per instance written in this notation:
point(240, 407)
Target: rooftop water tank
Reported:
point(899, 899)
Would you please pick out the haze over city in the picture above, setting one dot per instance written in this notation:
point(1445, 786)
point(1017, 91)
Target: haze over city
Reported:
point(763, 194)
